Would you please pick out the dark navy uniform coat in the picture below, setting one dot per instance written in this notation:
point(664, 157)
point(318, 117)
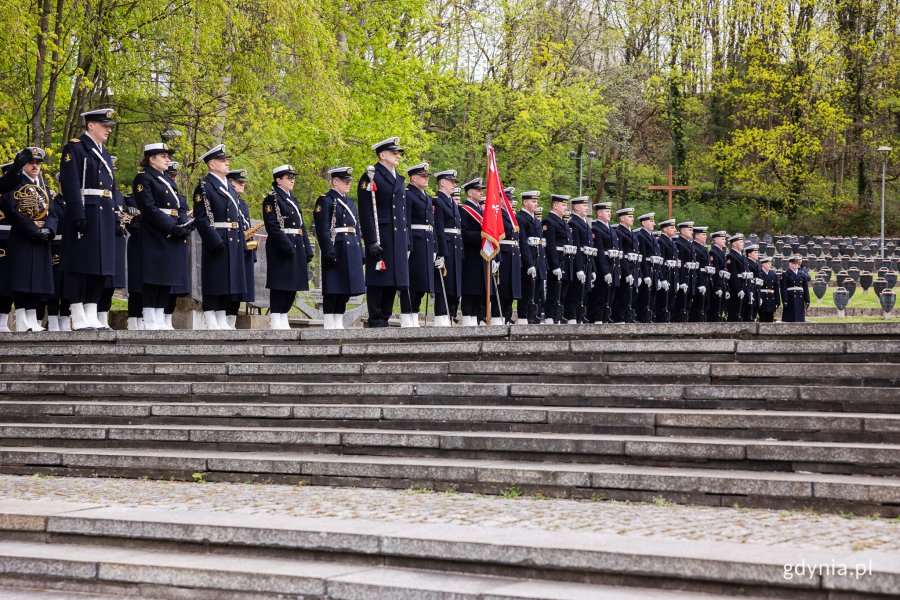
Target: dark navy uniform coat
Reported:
point(85, 166)
point(770, 300)
point(59, 206)
point(5, 257)
point(424, 242)
point(31, 271)
point(628, 245)
point(606, 238)
point(452, 242)
point(532, 256)
point(249, 294)
point(135, 279)
point(222, 257)
point(161, 256)
point(287, 254)
point(557, 234)
point(510, 260)
point(391, 215)
point(649, 246)
point(686, 252)
point(119, 279)
point(184, 262)
point(795, 301)
point(346, 277)
point(473, 281)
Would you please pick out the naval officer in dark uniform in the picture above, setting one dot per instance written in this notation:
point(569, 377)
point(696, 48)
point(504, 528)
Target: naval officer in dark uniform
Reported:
point(451, 270)
point(700, 307)
point(623, 306)
point(424, 231)
point(337, 230)
point(687, 272)
point(736, 264)
point(384, 220)
point(794, 292)
point(288, 249)
point(473, 282)
point(719, 278)
point(651, 264)
point(582, 262)
point(162, 234)
point(560, 254)
point(217, 216)
point(33, 225)
point(238, 180)
point(183, 287)
point(534, 263)
point(89, 233)
point(607, 263)
point(510, 288)
point(769, 291)
point(668, 272)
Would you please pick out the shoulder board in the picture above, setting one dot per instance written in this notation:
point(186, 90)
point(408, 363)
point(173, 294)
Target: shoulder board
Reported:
point(75, 141)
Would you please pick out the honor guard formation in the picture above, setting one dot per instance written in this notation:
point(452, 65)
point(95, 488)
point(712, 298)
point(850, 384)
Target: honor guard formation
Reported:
point(64, 253)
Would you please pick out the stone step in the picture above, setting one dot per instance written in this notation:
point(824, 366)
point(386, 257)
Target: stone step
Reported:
point(656, 331)
point(722, 453)
point(603, 350)
point(732, 424)
point(848, 374)
point(156, 573)
point(361, 559)
point(687, 483)
point(650, 395)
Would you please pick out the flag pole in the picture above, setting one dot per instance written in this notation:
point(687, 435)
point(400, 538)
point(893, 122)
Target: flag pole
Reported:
point(487, 263)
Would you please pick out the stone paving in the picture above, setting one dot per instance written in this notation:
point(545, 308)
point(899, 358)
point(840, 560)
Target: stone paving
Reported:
point(652, 520)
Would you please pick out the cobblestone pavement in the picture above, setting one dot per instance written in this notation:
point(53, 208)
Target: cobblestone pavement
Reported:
point(661, 520)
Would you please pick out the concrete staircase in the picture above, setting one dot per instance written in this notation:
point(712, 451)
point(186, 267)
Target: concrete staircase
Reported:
point(783, 416)
point(756, 415)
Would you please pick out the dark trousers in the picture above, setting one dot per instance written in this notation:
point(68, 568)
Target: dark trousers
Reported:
point(410, 301)
point(574, 307)
point(699, 307)
point(281, 301)
point(380, 302)
point(81, 288)
point(644, 301)
point(173, 300)
point(506, 310)
point(6, 303)
point(600, 301)
point(105, 303)
point(525, 308)
point(335, 304)
point(766, 317)
point(155, 296)
point(622, 304)
point(681, 312)
point(556, 294)
point(135, 306)
point(220, 302)
point(473, 305)
point(663, 304)
point(28, 301)
point(55, 307)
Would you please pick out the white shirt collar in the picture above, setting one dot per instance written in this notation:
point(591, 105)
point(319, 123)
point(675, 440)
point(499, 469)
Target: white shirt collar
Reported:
point(221, 179)
point(99, 145)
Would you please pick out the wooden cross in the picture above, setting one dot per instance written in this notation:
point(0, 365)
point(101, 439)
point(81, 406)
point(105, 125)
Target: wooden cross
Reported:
point(670, 188)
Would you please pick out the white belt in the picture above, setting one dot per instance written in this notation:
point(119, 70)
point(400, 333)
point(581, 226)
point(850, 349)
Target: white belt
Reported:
point(225, 224)
point(290, 231)
point(758, 281)
point(767, 291)
point(534, 241)
point(172, 212)
point(5, 227)
point(656, 259)
point(509, 243)
point(690, 266)
point(711, 270)
point(421, 227)
point(589, 251)
point(746, 275)
point(344, 230)
point(614, 253)
point(633, 257)
point(56, 238)
point(671, 263)
point(452, 231)
point(725, 274)
point(795, 288)
point(568, 249)
point(93, 192)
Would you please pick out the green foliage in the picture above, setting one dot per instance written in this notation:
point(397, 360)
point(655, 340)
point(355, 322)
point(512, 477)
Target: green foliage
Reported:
point(772, 110)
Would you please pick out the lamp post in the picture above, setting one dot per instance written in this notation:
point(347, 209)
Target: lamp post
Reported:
point(885, 152)
point(577, 156)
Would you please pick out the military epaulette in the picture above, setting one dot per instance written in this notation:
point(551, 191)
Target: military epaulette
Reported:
point(75, 141)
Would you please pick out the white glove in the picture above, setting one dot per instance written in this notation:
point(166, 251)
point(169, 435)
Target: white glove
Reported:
point(629, 280)
point(558, 273)
point(408, 252)
point(758, 281)
point(751, 297)
point(495, 266)
point(581, 276)
point(741, 294)
point(719, 293)
point(702, 289)
point(647, 281)
point(665, 285)
point(532, 272)
point(593, 278)
point(683, 287)
point(608, 278)
point(727, 295)
point(659, 285)
point(439, 262)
